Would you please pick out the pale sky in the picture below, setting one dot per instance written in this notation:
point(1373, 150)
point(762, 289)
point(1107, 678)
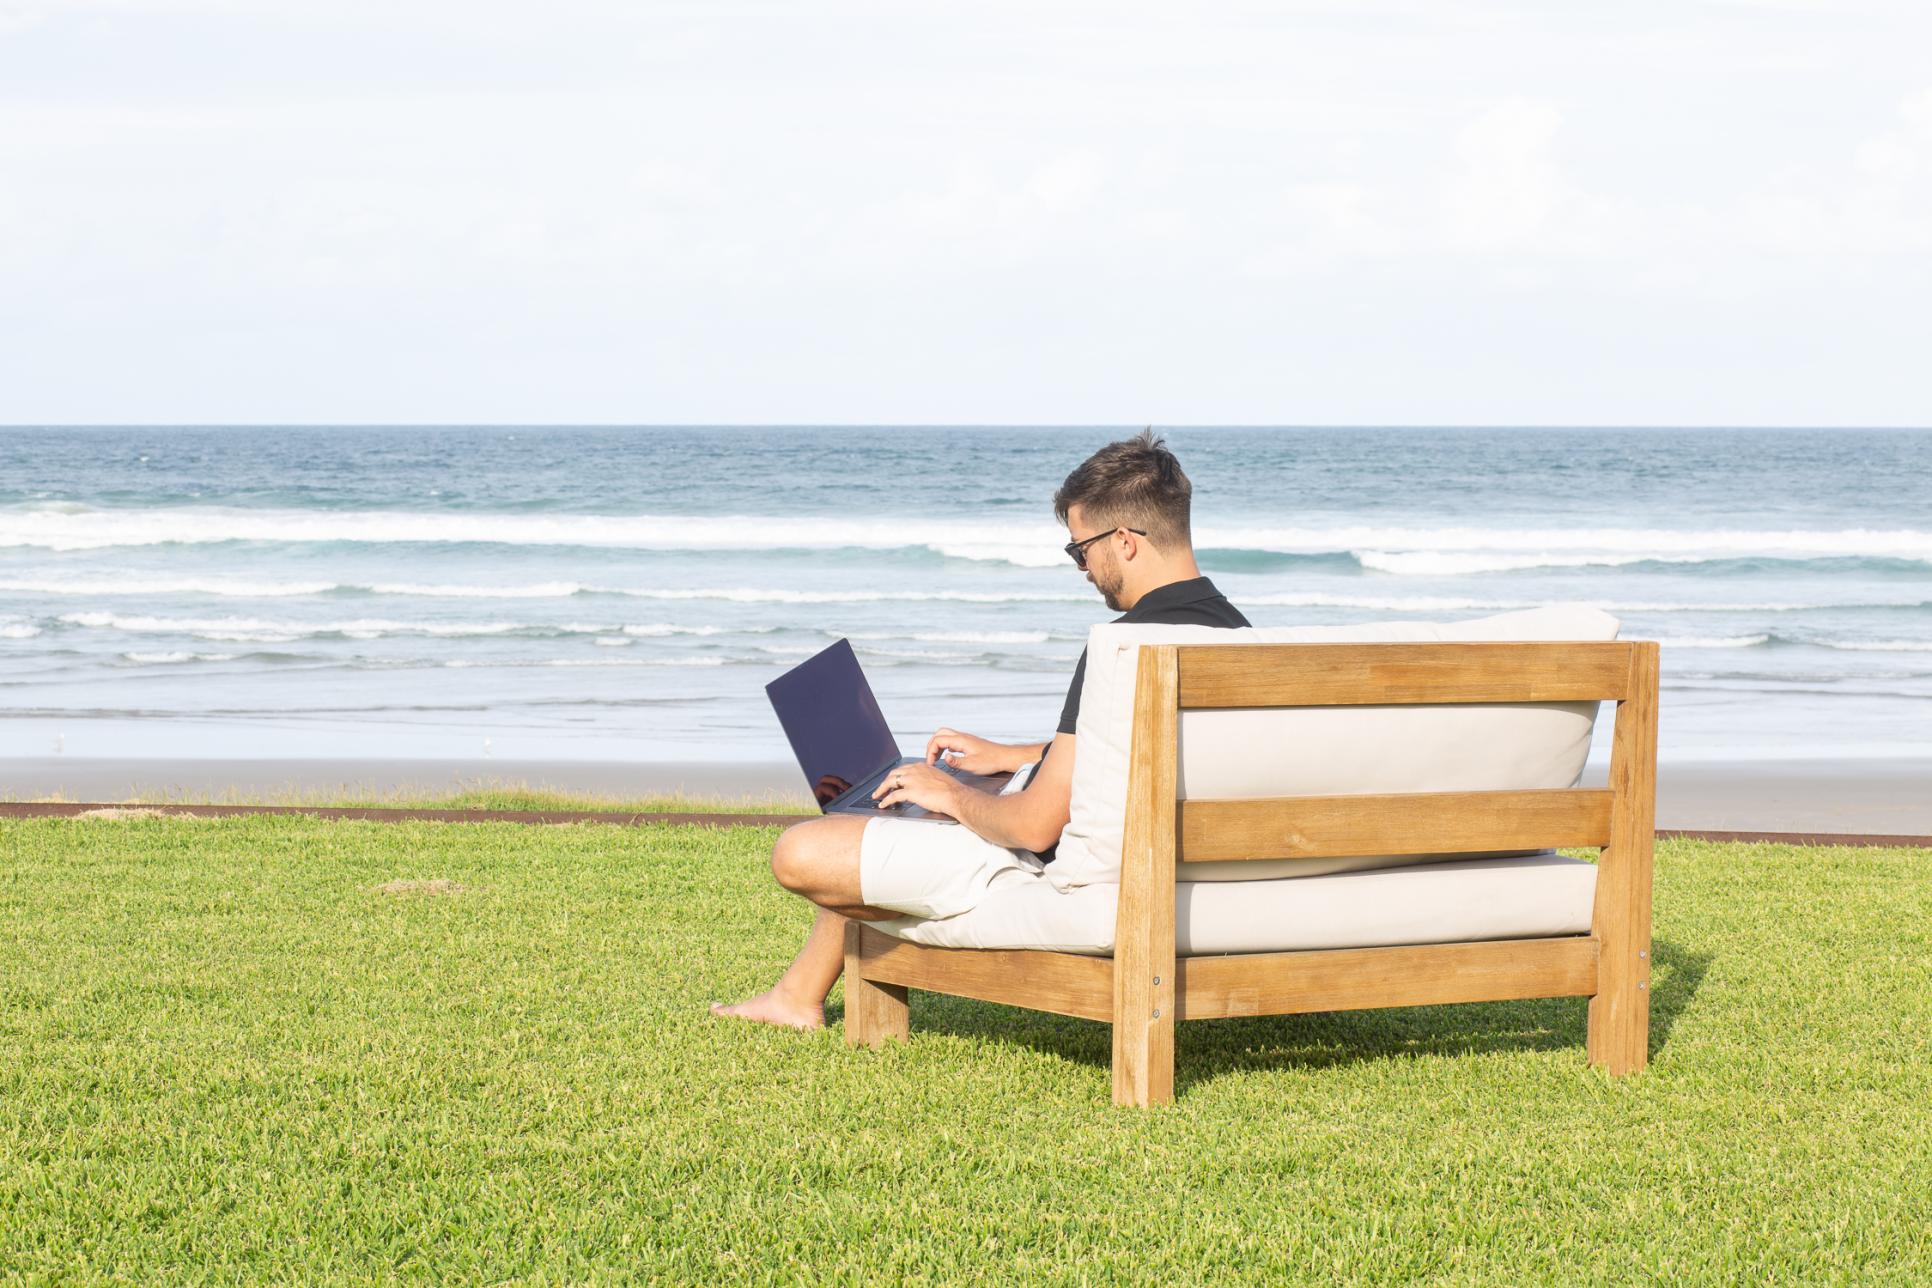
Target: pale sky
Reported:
point(1596, 212)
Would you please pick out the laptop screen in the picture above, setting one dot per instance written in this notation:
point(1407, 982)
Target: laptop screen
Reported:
point(833, 721)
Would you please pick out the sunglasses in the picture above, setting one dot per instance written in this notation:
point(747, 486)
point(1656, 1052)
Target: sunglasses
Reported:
point(1077, 550)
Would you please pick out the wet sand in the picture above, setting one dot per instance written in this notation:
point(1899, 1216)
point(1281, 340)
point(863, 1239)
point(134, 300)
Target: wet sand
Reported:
point(1769, 796)
point(1794, 796)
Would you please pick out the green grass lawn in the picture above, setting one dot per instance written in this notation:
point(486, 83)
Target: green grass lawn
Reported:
point(227, 1053)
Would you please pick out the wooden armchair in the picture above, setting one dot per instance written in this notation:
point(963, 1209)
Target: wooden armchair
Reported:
point(1143, 989)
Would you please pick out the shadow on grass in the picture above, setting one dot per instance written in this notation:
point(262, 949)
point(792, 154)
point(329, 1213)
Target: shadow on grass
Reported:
point(1207, 1049)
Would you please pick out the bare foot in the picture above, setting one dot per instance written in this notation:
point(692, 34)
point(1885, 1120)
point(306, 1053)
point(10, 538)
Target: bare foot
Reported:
point(774, 1008)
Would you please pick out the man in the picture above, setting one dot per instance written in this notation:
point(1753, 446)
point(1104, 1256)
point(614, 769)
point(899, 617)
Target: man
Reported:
point(1127, 509)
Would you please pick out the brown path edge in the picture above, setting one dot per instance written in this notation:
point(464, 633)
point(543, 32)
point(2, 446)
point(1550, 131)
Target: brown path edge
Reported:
point(69, 809)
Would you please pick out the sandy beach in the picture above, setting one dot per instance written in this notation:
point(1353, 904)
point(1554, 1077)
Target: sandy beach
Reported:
point(1771, 796)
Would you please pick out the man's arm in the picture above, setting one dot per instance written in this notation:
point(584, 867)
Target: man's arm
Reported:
point(977, 755)
point(1028, 820)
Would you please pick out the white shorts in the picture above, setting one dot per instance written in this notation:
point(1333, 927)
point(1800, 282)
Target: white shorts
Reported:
point(935, 870)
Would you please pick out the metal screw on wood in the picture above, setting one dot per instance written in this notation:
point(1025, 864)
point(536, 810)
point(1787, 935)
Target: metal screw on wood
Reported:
point(1643, 984)
point(1641, 952)
point(1157, 981)
point(1157, 1012)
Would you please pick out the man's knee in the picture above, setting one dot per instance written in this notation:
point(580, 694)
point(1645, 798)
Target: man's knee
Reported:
point(788, 857)
point(805, 851)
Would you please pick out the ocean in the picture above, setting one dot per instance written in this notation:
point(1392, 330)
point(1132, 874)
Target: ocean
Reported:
point(589, 593)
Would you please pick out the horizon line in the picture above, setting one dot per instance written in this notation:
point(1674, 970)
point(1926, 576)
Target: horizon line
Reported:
point(966, 425)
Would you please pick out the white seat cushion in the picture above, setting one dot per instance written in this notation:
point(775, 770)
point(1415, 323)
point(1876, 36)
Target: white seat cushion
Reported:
point(1455, 902)
point(1314, 751)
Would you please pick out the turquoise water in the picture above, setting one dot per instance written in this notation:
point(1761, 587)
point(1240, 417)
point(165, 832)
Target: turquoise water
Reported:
point(625, 593)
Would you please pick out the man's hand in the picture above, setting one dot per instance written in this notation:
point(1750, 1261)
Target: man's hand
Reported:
point(975, 755)
point(924, 786)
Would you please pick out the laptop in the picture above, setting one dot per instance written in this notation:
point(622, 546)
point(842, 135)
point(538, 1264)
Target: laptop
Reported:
point(842, 741)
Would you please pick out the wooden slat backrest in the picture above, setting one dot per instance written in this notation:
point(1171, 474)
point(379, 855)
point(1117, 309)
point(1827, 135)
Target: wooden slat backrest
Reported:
point(1336, 675)
point(1328, 827)
point(1220, 676)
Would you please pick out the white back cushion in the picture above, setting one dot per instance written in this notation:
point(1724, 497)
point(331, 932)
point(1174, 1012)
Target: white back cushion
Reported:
point(1316, 751)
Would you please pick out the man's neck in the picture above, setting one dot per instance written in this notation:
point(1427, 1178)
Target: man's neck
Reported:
point(1179, 570)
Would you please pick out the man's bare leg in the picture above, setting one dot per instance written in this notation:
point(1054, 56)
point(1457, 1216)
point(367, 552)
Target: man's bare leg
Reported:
point(798, 998)
point(818, 860)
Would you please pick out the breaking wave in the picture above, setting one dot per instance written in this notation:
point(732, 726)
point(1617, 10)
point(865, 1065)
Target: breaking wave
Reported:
point(1427, 551)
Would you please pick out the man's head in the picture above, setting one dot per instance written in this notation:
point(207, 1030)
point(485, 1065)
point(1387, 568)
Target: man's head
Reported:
point(1128, 503)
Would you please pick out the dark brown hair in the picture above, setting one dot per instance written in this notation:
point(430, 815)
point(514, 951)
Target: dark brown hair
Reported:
point(1135, 483)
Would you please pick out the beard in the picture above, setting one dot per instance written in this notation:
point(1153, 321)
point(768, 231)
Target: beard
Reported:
point(1107, 579)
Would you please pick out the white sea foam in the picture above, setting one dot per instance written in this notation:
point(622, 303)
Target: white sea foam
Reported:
point(536, 590)
point(1880, 646)
point(1038, 544)
point(1608, 545)
point(751, 595)
point(160, 658)
point(653, 629)
point(254, 628)
point(894, 654)
point(635, 661)
point(368, 628)
point(18, 631)
point(460, 662)
point(239, 629)
point(919, 654)
point(1436, 563)
point(1461, 604)
point(1715, 641)
point(94, 586)
point(951, 637)
point(85, 529)
point(757, 595)
point(1044, 552)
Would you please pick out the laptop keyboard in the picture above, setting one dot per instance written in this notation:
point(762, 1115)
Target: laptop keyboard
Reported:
point(864, 799)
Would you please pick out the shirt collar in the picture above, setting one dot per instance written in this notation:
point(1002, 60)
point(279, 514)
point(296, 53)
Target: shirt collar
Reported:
point(1173, 594)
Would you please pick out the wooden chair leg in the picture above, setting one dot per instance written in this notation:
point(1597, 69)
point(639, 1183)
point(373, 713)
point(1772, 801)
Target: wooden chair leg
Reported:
point(1144, 983)
point(1619, 1035)
point(874, 1012)
point(1618, 1040)
point(1144, 1062)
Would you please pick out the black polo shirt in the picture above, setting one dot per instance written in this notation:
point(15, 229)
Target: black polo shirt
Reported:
point(1194, 602)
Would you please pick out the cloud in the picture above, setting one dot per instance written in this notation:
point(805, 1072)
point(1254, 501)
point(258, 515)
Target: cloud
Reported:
point(1505, 187)
point(753, 212)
